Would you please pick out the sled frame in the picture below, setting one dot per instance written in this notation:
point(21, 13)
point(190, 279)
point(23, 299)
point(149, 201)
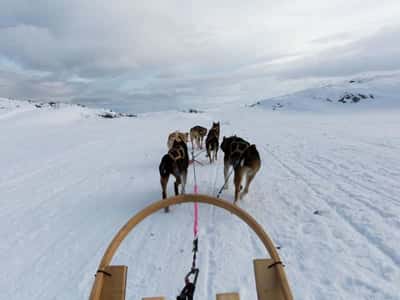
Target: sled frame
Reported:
point(279, 273)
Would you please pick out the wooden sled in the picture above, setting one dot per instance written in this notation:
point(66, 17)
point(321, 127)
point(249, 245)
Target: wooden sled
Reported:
point(271, 282)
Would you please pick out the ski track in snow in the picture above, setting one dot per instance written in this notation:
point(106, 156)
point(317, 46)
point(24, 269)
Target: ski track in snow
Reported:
point(326, 195)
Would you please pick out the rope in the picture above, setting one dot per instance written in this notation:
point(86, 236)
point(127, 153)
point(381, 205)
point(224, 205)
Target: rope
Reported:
point(198, 153)
point(229, 175)
point(187, 292)
point(193, 160)
point(196, 205)
point(104, 272)
point(225, 182)
point(275, 263)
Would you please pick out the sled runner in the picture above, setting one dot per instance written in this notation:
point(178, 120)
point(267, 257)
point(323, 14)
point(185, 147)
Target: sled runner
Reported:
point(270, 277)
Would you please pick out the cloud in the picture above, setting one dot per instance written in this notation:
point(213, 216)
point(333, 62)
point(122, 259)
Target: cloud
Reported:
point(378, 52)
point(14, 85)
point(181, 51)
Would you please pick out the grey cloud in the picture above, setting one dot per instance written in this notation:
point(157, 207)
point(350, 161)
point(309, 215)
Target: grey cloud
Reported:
point(20, 86)
point(94, 38)
point(181, 51)
point(379, 52)
point(338, 37)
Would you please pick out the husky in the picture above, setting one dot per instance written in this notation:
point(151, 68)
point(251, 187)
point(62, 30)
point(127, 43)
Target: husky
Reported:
point(175, 162)
point(197, 134)
point(245, 160)
point(177, 136)
point(212, 142)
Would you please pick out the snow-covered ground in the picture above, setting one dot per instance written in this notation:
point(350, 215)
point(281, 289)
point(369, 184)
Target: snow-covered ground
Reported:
point(379, 92)
point(327, 193)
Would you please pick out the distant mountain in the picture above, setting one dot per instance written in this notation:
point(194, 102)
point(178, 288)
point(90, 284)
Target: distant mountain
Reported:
point(377, 92)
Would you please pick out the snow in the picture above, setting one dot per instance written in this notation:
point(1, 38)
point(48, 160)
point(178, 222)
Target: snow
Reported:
point(327, 194)
point(379, 92)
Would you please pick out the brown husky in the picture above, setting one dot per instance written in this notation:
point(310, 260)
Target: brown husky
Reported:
point(175, 162)
point(212, 141)
point(245, 160)
point(197, 134)
point(177, 136)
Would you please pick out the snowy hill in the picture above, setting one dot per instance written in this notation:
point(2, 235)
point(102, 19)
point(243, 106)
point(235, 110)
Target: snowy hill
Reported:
point(374, 92)
point(327, 193)
point(10, 107)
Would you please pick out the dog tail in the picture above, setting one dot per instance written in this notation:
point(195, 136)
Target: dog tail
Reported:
point(165, 166)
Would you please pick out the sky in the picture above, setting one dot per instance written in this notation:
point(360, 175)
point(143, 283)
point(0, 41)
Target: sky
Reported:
point(153, 55)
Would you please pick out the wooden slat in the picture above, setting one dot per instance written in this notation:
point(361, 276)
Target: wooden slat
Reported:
point(228, 296)
point(268, 284)
point(154, 298)
point(114, 286)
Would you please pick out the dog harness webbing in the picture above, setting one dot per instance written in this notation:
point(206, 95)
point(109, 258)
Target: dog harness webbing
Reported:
point(239, 147)
point(177, 153)
point(187, 292)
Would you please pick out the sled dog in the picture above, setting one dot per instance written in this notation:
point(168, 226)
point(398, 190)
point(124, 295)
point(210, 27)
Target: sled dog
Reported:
point(212, 142)
point(177, 136)
point(175, 162)
point(245, 160)
point(197, 134)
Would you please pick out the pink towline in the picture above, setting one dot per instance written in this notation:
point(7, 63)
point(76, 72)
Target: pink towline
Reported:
point(196, 214)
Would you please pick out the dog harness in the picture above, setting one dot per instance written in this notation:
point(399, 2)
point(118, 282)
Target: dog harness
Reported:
point(238, 148)
point(177, 153)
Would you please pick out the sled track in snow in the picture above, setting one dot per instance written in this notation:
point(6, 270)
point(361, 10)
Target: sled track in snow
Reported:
point(56, 163)
point(350, 194)
point(349, 179)
point(361, 229)
point(389, 253)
